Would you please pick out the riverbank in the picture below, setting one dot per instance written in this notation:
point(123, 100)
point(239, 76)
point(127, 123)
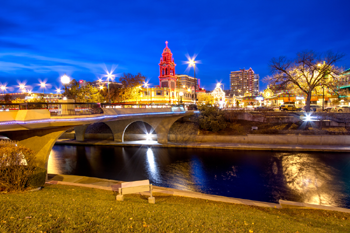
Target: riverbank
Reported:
point(69, 208)
point(208, 145)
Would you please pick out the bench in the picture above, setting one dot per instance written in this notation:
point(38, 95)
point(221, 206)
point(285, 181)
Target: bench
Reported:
point(133, 187)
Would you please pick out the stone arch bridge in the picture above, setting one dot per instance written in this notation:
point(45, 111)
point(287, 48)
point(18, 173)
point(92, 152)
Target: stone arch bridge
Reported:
point(39, 131)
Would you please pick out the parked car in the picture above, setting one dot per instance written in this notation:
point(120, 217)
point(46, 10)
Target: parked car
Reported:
point(288, 107)
point(263, 108)
point(313, 107)
point(330, 109)
point(342, 108)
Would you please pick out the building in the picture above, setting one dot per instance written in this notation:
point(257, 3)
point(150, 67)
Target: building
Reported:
point(244, 80)
point(187, 83)
point(172, 89)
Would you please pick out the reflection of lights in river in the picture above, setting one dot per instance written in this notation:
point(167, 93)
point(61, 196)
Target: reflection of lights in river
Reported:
point(152, 166)
point(312, 179)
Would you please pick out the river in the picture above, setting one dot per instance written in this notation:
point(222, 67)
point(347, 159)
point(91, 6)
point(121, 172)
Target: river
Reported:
point(310, 177)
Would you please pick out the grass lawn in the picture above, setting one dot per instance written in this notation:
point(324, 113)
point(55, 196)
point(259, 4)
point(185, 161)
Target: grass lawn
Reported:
point(59, 208)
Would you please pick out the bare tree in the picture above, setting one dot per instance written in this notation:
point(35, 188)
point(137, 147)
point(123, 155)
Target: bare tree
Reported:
point(305, 73)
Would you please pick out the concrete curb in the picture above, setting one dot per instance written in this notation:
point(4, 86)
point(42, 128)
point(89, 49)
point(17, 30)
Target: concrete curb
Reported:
point(225, 146)
point(313, 206)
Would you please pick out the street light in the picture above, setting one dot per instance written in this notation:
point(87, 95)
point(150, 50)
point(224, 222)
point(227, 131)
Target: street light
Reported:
point(3, 88)
point(181, 94)
point(191, 63)
point(110, 76)
point(43, 86)
point(65, 80)
point(146, 85)
point(58, 91)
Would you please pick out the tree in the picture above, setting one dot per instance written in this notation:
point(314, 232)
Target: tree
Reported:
point(7, 98)
point(305, 73)
point(131, 86)
point(89, 94)
point(204, 98)
point(72, 90)
point(211, 118)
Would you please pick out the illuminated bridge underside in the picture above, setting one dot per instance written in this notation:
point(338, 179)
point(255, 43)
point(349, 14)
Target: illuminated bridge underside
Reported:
point(38, 131)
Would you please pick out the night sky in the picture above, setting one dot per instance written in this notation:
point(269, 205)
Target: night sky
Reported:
point(45, 39)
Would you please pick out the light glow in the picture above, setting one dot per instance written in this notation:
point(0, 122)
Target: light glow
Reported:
point(148, 137)
point(65, 79)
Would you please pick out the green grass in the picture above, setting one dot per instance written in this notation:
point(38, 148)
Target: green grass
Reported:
point(59, 208)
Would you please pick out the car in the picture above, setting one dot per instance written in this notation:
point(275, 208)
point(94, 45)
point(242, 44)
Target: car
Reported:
point(263, 108)
point(313, 107)
point(288, 107)
point(343, 108)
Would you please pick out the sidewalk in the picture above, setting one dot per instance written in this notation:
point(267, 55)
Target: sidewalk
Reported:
point(105, 184)
point(227, 146)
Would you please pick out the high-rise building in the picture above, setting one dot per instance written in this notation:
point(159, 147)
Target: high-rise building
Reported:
point(243, 81)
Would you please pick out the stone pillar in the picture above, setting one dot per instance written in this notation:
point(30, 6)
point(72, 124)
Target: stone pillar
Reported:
point(80, 132)
point(40, 141)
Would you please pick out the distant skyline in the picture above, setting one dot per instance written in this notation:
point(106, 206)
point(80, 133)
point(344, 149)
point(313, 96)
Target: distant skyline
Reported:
point(45, 39)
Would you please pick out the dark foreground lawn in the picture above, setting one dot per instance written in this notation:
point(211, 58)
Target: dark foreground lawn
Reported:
point(59, 208)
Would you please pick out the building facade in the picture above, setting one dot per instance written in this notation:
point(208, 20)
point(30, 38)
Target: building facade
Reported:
point(243, 81)
point(172, 89)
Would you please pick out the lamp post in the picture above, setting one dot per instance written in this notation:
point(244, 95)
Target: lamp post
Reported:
point(43, 86)
point(65, 80)
point(181, 94)
point(3, 88)
point(58, 91)
point(146, 85)
point(109, 76)
point(192, 62)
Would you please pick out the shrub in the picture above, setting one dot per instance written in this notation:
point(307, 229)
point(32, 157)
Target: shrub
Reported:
point(17, 170)
point(211, 118)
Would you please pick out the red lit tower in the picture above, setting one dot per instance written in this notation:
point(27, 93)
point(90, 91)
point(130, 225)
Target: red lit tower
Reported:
point(167, 76)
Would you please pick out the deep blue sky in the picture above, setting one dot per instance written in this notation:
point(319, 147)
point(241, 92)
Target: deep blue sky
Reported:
point(45, 39)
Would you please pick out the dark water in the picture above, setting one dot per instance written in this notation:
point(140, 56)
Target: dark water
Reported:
point(317, 178)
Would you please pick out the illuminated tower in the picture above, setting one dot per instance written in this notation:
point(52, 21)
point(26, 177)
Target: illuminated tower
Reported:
point(167, 76)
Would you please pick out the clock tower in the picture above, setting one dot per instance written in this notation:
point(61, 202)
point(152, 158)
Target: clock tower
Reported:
point(167, 76)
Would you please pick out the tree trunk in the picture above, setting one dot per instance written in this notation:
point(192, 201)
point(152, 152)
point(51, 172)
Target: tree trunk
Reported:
point(307, 103)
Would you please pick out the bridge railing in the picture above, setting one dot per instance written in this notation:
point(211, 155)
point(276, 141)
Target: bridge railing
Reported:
point(57, 109)
point(69, 109)
point(173, 107)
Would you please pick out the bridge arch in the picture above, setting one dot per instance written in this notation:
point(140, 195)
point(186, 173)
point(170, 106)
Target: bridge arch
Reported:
point(139, 130)
point(161, 126)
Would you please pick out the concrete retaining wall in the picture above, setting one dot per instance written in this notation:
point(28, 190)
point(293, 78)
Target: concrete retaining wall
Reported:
point(248, 139)
point(267, 139)
point(108, 136)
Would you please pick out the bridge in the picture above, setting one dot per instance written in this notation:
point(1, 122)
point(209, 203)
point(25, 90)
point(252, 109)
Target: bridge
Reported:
point(38, 125)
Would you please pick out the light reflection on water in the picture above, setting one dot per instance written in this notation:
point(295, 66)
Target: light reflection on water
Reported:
point(317, 178)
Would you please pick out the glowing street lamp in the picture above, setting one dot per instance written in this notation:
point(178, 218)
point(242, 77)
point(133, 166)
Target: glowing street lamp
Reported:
point(58, 91)
point(101, 87)
point(181, 94)
point(43, 85)
point(146, 85)
point(110, 76)
point(3, 88)
point(65, 80)
point(192, 63)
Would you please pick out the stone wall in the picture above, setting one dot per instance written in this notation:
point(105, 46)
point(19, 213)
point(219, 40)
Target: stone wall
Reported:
point(294, 140)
